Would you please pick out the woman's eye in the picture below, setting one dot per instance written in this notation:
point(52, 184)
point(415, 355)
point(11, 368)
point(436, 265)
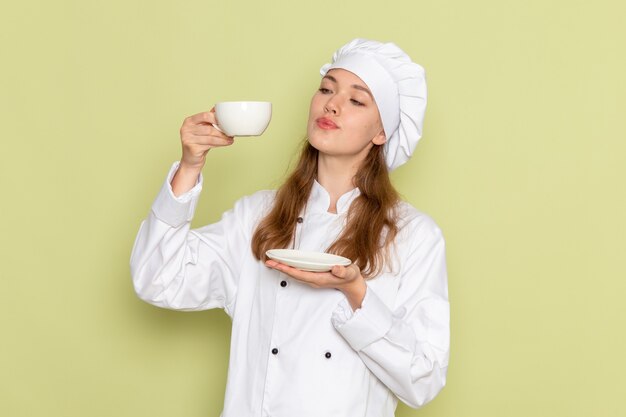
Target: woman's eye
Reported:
point(324, 90)
point(356, 102)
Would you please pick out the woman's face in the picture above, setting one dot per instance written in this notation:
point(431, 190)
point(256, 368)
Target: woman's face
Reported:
point(343, 117)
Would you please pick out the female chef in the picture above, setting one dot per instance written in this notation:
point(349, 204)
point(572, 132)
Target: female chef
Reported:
point(349, 342)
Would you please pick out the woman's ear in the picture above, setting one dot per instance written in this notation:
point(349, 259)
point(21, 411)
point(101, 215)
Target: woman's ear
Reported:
point(380, 138)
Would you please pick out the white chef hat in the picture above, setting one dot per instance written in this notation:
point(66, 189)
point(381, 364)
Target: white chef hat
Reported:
point(399, 89)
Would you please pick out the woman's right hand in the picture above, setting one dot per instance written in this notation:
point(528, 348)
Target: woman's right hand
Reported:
point(197, 135)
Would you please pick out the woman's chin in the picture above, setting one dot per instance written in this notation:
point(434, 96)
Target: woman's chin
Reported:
point(322, 146)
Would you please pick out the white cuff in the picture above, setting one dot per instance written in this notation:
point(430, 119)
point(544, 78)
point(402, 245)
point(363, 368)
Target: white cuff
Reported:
point(173, 210)
point(364, 326)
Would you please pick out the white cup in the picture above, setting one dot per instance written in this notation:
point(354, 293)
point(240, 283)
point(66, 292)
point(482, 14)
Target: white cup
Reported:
point(243, 118)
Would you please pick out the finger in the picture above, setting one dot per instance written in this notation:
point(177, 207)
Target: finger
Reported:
point(346, 273)
point(278, 266)
point(213, 140)
point(271, 263)
point(339, 271)
point(203, 118)
point(284, 268)
point(318, 278)
point(207, 130)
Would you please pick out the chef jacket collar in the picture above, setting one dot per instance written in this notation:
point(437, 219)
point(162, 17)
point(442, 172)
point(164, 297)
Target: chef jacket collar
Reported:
point(319, 201)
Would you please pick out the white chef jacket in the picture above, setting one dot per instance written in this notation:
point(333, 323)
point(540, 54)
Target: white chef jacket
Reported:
point(298, 351)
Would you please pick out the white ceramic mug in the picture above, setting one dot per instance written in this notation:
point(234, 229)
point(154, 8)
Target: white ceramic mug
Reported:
point(243, 118)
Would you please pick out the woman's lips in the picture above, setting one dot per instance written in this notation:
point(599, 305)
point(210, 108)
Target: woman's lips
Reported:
point(326, 124)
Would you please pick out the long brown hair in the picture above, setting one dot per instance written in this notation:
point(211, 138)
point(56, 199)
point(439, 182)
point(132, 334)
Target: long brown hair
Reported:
point(371, 220)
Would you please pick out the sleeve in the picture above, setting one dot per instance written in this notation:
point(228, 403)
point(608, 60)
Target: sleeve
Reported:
point(181, 269)
point(406, 347)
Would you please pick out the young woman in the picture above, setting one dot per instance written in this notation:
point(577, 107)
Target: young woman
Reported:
point(348, 342)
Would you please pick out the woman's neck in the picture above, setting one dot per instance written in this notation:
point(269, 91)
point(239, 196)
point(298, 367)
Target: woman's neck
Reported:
point(336, 175)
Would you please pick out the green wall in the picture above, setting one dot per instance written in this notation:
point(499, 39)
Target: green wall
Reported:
point(522, 164)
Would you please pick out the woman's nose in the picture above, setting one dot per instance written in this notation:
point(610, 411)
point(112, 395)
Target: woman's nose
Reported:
point(332, 106)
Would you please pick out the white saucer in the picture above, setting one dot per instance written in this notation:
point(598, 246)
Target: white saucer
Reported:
point(307, 261)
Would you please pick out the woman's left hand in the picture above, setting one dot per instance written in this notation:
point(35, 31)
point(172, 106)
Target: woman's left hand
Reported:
point(347, 279)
